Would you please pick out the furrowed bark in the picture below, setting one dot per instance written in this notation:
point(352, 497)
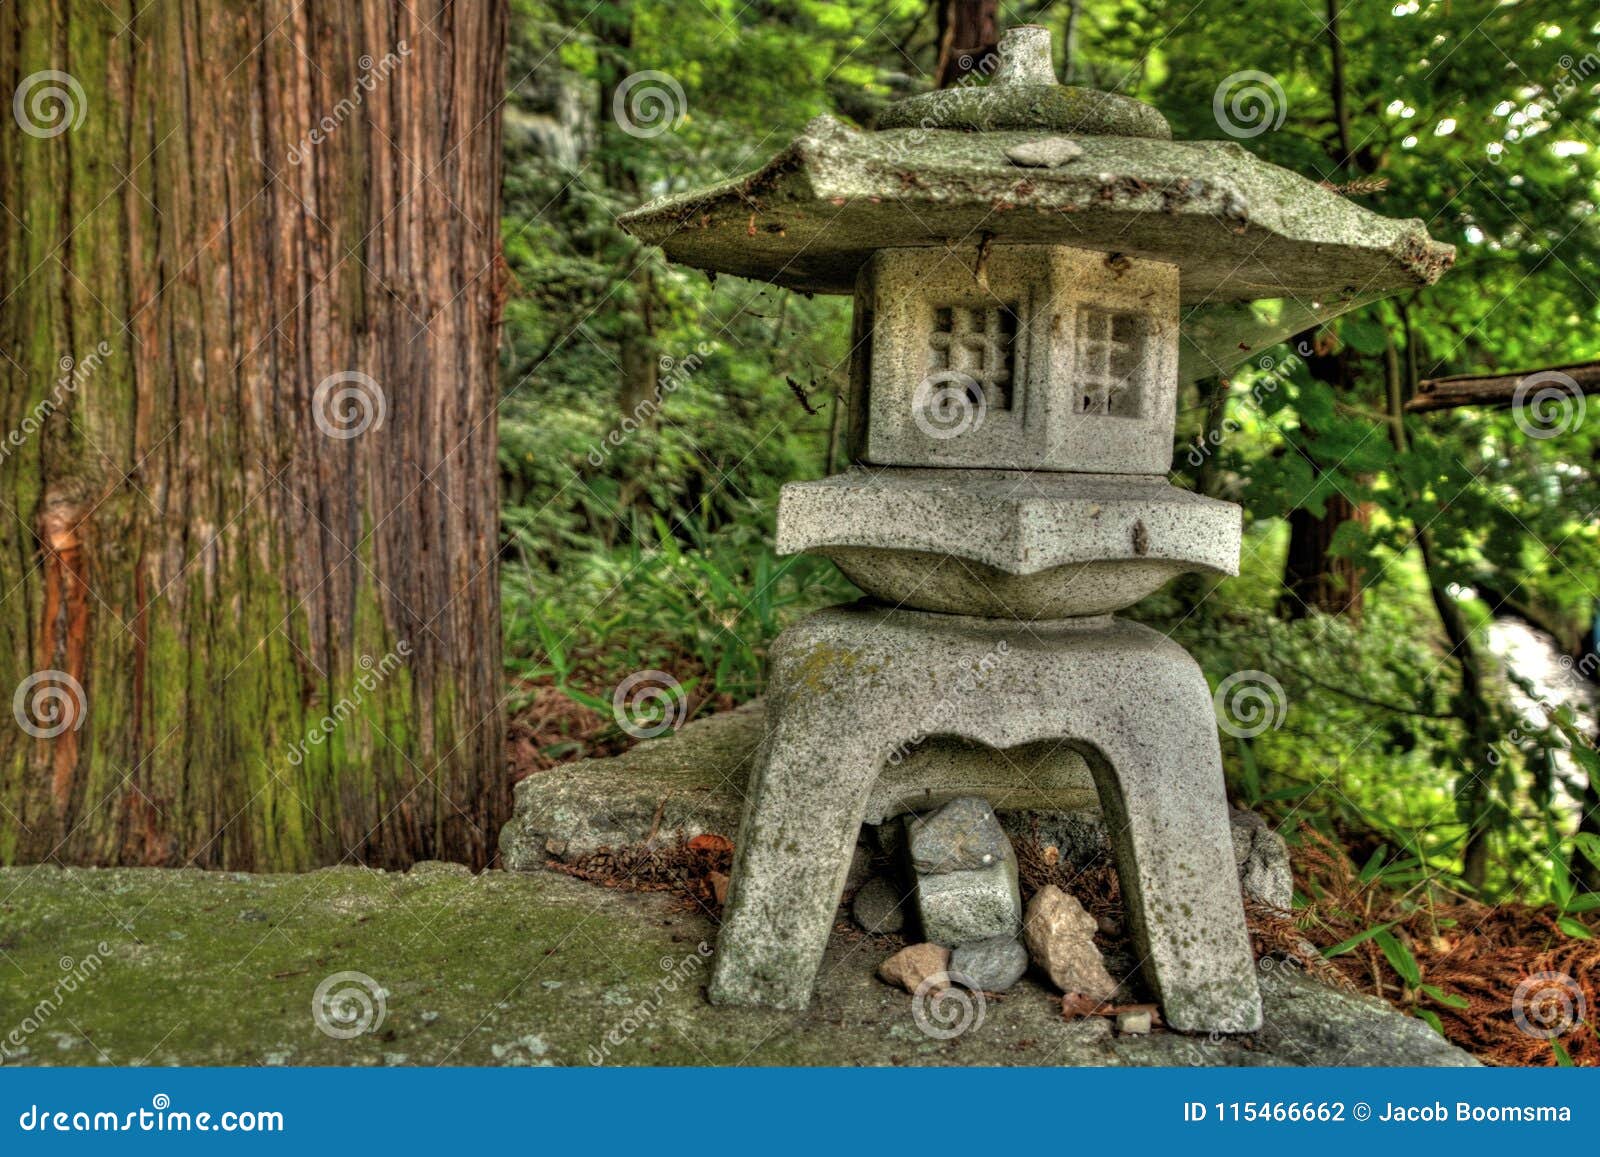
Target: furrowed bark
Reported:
point(286, 634)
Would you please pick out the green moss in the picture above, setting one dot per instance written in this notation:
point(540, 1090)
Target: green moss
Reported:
point(199, 967)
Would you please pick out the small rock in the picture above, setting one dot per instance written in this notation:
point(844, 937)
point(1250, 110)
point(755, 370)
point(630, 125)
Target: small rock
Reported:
point(1060, 937)
point(719, 886)
point(429, 1017)
point(1048, 153)
point(890, 837)
point(1263, 860)
point(879, 907)
point(991, 965)
point(962, 835)
point(909, 967)
point(964, 907)
point(1133, 1022)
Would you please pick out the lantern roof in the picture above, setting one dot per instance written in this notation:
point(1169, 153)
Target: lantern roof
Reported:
point(1262, 252)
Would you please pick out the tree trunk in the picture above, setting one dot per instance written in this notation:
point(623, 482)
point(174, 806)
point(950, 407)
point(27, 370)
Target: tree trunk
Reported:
point(1314, 578)
point(1473, 792)
point(968, 30)
point(249, 351)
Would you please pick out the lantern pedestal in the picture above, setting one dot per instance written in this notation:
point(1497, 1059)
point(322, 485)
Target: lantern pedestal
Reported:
point(854, 688)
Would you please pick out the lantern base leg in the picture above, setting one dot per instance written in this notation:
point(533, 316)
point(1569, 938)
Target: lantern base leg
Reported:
point(853, 686)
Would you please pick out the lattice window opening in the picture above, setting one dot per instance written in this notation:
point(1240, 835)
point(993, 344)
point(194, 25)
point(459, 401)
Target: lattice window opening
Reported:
point(980, 342)
point(1110, 353)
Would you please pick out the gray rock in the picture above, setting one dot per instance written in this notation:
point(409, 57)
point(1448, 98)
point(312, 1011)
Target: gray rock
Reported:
point(1060, 938)
point(889, 838)
point(1079, 837)
point(977, 904)
point(860, 868)
point(1049, 153)
point(962, 835)
point(879, 906)
point(687, 784)
point(992, 965)
point(1263, 860)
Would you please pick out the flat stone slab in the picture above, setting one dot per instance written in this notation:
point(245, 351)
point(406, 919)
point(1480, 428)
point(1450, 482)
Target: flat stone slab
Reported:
point(527, 969)
point(693, 782)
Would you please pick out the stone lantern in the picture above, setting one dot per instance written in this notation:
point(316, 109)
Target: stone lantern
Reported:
point(1035, 269)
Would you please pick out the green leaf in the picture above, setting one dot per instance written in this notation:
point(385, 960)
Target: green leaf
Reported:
point(1440, 996)
point(1399, 957)
point(1374, 864)
point(1589, 844)
point(1344, 946)
point(1431, 1018)
point(1574, 929)
point(1563, 1057)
